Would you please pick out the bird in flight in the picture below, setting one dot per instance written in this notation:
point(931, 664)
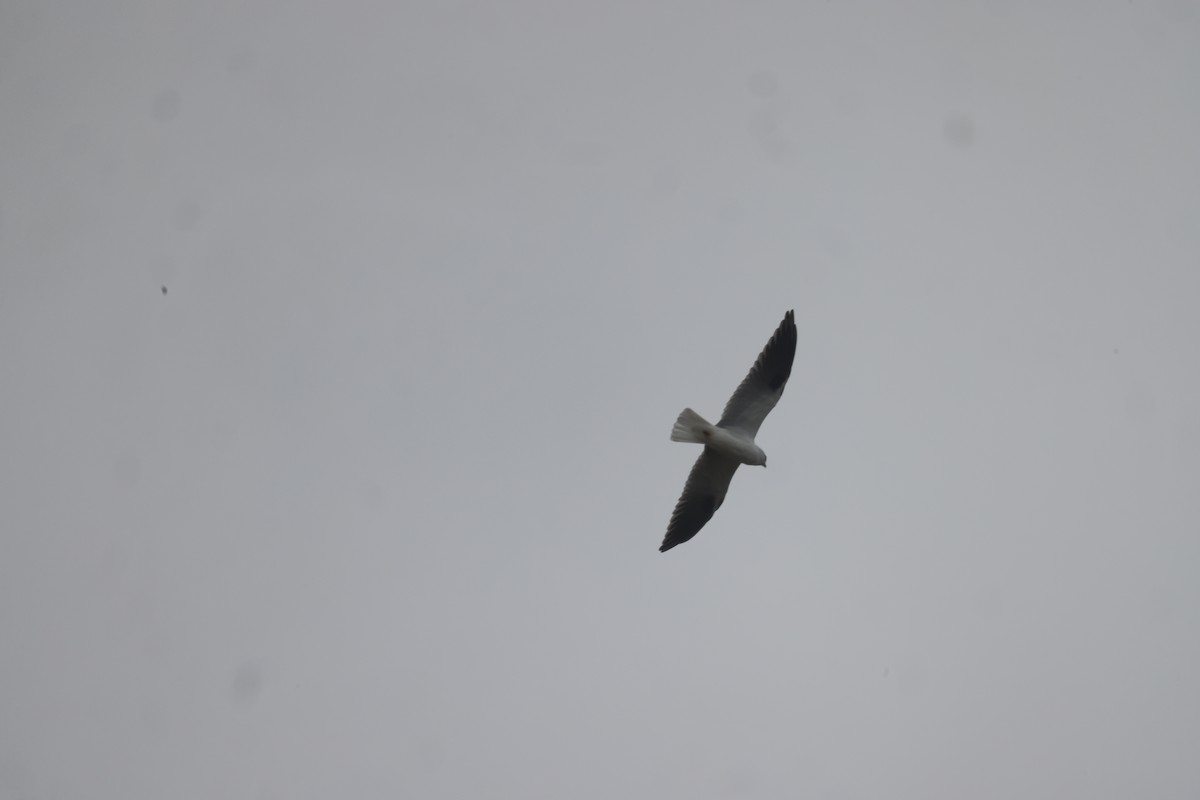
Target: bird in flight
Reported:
point(730, 442)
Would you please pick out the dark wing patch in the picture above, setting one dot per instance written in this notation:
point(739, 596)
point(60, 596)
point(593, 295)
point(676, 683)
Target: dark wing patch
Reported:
point(763, 386)
point(780, 378)
point(702, 495)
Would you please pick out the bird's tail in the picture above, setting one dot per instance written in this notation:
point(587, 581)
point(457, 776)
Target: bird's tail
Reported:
point(690, 427)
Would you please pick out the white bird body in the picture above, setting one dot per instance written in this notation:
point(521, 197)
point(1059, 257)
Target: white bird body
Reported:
point(730, 443)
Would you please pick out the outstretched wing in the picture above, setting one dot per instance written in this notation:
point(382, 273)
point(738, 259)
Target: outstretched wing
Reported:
point(702, 496)
point(763, 387)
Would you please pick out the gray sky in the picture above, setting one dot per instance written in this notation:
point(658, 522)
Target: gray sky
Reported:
point(367, 505)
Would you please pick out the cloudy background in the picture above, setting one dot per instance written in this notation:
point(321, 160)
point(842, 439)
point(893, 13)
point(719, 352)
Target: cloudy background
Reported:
point(340, 345)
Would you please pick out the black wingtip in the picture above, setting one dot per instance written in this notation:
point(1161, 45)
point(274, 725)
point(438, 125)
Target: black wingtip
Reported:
point(787, 327)
point(783, 343)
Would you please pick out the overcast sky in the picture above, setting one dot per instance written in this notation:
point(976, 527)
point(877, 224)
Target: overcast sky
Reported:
point(340, 346)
